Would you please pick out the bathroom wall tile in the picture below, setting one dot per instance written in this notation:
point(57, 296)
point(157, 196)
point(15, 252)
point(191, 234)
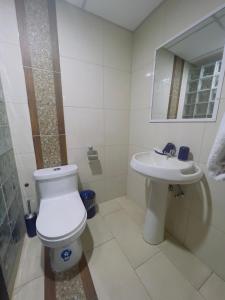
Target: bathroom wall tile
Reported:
point(104, 272)
point(88, 170)
point(47, 119)
point(7, 165)
point(38, 34)
point(214, 288)
point(50, 150)
point(189, 265)
point(147, 38)
point(117, 44)
point(84, 127)
point(8, 24)
point(115, 186)
point(140, 129)
point(20, 126)
point(116, 128)
point(3, 210)
point(14, 210)
point(116, 158)
point(12, 73)
point(10, 188)
point(26, 165)
point(5, 138)
point(3, 115)
point(82, 83)
point(141, 88)
point(177, 218)
point(96, 233)
point(136, 188)
point(4, 238)
point(159, 272)
point(44, 87)
point(116, 89)
point(207, 243)
point(129, 236)
point(11, 260)
point(34, 289)
point(80, 34)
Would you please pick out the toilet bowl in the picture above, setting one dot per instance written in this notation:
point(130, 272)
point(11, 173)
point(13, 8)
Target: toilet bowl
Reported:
point(62, 216)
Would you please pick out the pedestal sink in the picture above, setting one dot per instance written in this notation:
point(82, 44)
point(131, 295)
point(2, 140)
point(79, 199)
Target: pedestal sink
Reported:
point(162, 171)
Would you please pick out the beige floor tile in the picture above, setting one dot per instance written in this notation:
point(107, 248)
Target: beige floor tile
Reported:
point(31, 261)
point(214, 288)
point(133, 210)
point(189, 265)
point(164, 282)
point(109, 207)
point(113, 277)
point(33, 290)
point(96, 233)
point(129, 237)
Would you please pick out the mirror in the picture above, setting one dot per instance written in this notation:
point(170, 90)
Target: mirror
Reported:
point(188, 73)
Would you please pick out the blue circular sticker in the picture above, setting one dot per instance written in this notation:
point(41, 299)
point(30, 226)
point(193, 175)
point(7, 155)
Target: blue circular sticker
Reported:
point(65, 255)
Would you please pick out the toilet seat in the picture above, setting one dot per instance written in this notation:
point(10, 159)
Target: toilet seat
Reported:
point(61, 219)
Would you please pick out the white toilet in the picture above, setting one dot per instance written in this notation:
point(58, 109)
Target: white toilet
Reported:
point(62, 215)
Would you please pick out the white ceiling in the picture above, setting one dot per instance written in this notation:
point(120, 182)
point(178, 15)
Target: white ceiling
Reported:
point(126, 13)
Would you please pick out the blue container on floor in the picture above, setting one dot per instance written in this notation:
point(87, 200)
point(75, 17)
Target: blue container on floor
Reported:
point(30, 221)
point(88, 198)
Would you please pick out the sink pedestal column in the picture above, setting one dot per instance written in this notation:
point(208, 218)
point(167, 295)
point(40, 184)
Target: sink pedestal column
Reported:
point(156, 198)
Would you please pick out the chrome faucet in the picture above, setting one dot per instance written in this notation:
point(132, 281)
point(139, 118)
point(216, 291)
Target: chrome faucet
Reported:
point(169, 150)
point(171, 153)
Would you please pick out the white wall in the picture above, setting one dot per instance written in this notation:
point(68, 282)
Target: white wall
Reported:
point(95, 58)
point(11, 70)
point(196, 220)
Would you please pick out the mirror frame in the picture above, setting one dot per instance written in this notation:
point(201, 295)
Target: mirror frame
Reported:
point(220, 83)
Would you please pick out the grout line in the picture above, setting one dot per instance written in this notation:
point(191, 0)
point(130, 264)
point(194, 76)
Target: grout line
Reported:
point(19, 287)
point(204, 282)
point(141, 282)
point(150, 258)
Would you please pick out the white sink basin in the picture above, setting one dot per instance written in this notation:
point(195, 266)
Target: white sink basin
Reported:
point(161, 168)
point(161, 171)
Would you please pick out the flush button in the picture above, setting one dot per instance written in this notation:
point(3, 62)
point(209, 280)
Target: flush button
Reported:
point(56, 169)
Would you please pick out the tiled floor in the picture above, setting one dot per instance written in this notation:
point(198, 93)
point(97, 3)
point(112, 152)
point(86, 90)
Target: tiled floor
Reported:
point(123, 266)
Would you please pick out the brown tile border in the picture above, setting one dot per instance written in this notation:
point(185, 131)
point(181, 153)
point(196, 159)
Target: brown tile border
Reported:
point(89, 288)
point(31, 100)
point(63, 152)
point(57, 78)
point(177, 75)
point(49, 282)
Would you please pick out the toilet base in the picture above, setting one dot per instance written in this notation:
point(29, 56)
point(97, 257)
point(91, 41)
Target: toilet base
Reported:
point(63, 258)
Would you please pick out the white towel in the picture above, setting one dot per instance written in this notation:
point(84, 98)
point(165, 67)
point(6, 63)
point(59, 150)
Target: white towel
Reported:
point(216, 160)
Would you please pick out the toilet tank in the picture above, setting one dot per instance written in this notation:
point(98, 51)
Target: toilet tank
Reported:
point(57, 181)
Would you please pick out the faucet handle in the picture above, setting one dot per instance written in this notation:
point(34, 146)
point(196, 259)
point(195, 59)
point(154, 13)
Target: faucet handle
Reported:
point(169, 148)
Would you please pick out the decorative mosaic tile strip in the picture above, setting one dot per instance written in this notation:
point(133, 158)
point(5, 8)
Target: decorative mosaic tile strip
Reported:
point(39, 46)
point(75, 283)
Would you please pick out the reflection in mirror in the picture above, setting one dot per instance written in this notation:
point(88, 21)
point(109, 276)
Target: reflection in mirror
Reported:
point(188, 70)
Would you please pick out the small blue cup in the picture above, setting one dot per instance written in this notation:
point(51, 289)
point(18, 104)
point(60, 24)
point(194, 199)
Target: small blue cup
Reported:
point(183, 153)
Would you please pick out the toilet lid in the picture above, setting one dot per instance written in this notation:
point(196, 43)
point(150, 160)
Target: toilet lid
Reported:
point(60, 216)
